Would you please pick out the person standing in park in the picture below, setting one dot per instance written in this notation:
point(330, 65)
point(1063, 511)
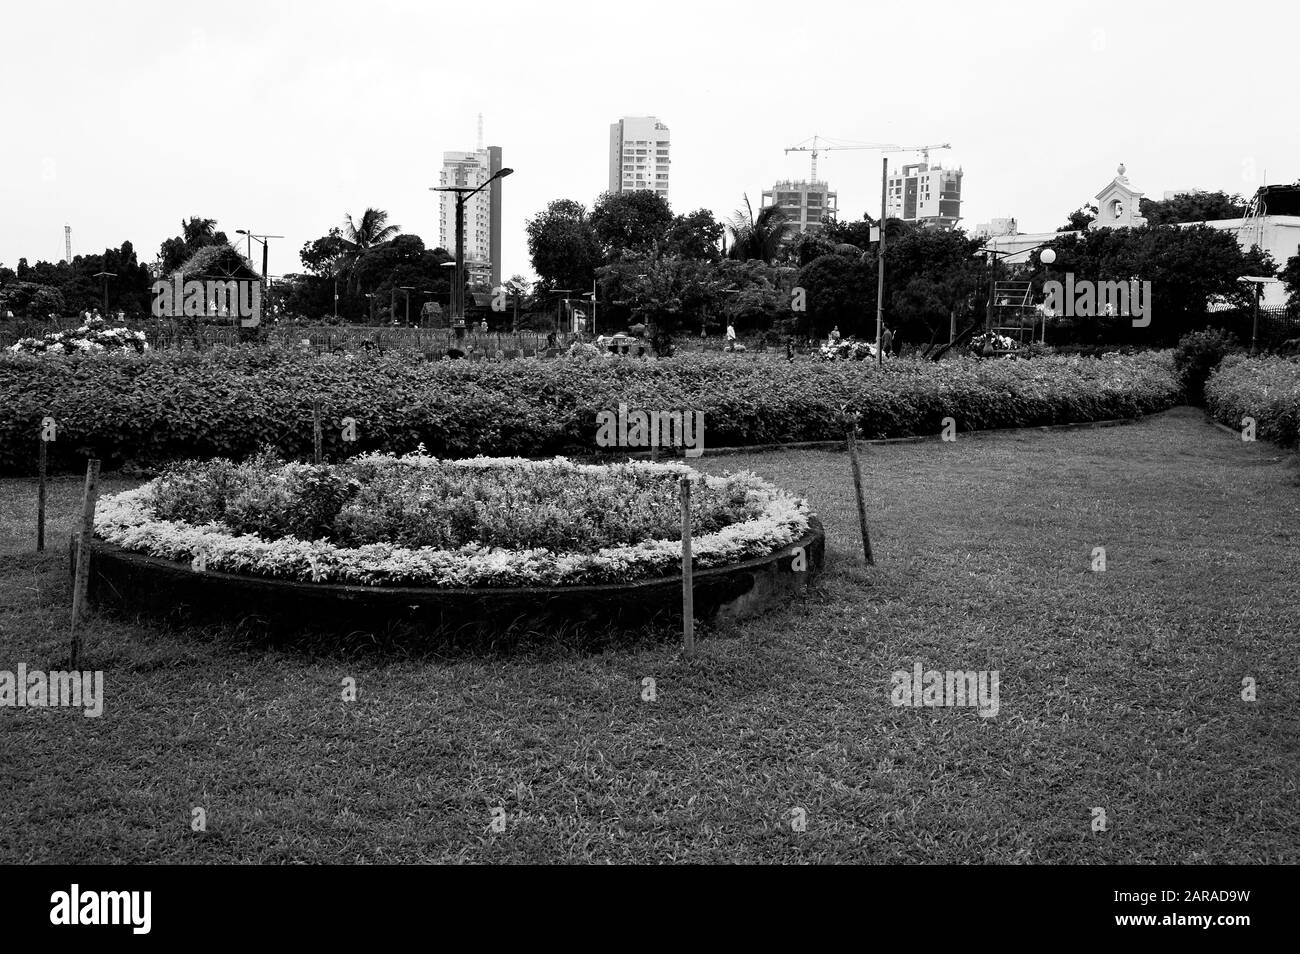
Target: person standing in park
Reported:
point(731, 337)
point(887, 341)
point(835, 335)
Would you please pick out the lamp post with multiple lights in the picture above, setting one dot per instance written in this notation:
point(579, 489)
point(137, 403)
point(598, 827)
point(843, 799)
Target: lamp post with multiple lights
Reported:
point(462, 194)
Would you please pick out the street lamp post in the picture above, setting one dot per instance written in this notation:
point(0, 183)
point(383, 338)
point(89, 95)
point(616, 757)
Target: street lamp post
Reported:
point(408, 289)
point(559, 307)
point(1259, 281)
point(266, 287)
point(462, 194)
point(106, 276)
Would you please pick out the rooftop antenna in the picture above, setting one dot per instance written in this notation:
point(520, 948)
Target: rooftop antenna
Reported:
point(67, 244)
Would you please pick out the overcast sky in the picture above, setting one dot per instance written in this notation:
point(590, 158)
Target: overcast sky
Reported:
point(121, 119)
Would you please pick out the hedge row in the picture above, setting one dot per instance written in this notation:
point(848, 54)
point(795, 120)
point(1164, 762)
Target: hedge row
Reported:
point(1266, 389)
point(147, 409)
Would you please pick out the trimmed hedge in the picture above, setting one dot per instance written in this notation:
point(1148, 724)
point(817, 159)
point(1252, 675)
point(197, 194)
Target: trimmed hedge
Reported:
point(162, 406)
point(1264, 388)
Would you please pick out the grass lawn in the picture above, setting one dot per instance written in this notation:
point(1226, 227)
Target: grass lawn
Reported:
point(1119, 690)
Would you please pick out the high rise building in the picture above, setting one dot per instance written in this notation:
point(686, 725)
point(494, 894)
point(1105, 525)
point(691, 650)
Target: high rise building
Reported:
point(482, 213)
point(804, 203)
point(638, 155)
point(930, 195)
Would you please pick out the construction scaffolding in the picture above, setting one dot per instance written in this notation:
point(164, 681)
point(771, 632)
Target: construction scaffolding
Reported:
point(1013, 310)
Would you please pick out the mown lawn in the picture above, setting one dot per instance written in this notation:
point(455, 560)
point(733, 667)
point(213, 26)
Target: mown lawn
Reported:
point(1119, 690)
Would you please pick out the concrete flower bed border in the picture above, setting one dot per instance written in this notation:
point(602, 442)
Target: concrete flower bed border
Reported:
point(136, 583)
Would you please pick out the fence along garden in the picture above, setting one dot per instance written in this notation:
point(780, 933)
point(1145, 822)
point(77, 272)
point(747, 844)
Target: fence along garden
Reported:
point(165, 334)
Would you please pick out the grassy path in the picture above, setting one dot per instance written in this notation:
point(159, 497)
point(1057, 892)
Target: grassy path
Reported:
point(1119, 690)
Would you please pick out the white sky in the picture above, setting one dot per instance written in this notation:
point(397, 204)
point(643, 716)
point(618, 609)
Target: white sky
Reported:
point(279, 117)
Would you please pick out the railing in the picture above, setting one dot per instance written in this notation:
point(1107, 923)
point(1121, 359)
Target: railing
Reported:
point(165, 334)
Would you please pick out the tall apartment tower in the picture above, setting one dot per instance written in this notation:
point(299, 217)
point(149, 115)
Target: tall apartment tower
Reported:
point(638, 155)
point(805, 204)
point(482, 212)
point(929, 195)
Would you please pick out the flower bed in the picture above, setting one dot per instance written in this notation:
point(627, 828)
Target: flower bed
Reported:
point(164, 406)
point(847, 349)
point(419, 521)
point(1266, 389)
point(991, 341)
point(94, 336)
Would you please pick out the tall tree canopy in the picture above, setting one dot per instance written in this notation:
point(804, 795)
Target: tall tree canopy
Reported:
point(563, 245)
point(630, 221)
point(361, 235)
point(762, 237)
point(196, 233)
point(695, 235)
point(1192, 207)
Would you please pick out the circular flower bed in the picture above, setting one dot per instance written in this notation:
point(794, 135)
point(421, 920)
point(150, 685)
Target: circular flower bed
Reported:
point(417, 521)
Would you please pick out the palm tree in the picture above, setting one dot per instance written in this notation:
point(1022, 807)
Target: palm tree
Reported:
point(760, 237)
point(359, 236)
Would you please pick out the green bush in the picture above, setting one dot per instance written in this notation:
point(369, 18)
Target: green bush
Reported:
point(1197, 354)
point(390, 501)
point(230, 402)
point(1264, 389)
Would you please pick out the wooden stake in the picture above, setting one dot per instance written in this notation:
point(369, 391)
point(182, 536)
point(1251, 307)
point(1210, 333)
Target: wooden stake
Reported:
point(688, 591)
point(40, 495)
point(850, 435)
point(315, 431)
point(82, 576)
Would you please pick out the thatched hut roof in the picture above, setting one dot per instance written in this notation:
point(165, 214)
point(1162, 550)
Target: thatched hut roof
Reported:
point(218, 261)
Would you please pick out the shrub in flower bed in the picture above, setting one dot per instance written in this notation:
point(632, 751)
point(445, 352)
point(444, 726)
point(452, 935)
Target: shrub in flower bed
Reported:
point(94, 336)
point(991, 341)
point(416, 520)
point(229, 402)
point(1264, 388)
point(847, 349)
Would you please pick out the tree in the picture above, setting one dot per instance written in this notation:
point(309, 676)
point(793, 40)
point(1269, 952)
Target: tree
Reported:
point(762, 237)
point(812, 245)
point(840, 291)
point(755, 296)
point(630, 221)
point(853, 233)
point(1290, 276)
point(361, 235)
point(563, 245)
point(1188, 268)
point(196, 233)
point(1193, 207)
point(30, 300)
point(323, 256)
point(694, 235)
point(932, 277)
point(1080, 217)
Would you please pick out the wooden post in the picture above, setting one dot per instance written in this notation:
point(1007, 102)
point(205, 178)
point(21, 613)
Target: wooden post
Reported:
point(316, 431)
point(40, 494)
point(82, 575)
point(688, 591)
point(850, 436)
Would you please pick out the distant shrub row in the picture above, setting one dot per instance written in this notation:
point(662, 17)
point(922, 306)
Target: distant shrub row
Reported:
point(1265, 389)
point(163, 406)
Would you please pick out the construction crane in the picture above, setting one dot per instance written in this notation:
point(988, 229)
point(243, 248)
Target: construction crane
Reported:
point(822, 144)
